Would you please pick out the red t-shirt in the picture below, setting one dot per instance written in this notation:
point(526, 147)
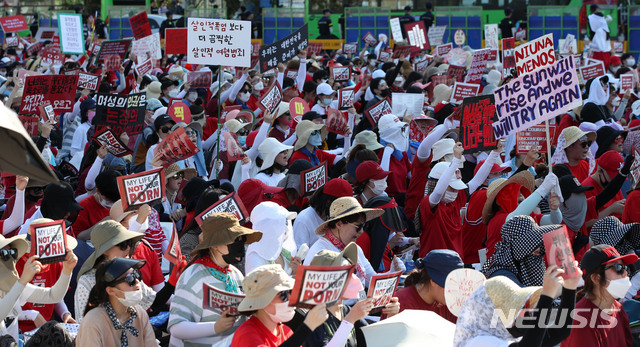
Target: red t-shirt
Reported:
point(580, 171)
point(364, 241)
point(606, 330)
point(9, 206)
point(494, 229)
point(210, 127)
point(322, 156)
point(631, 207)
point(410, 299)
point(151, 271)
point(590, 182)
point(417, 183)
point(397, 179)
point(91, 214)
point(473, 230)
point(46, 278)
point(254, 333)
point(441, 226)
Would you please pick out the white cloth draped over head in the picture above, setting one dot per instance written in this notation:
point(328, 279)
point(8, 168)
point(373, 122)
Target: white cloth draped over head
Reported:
point(599, 26)
point(597, 94)
point(560, 156)
point(274, 221)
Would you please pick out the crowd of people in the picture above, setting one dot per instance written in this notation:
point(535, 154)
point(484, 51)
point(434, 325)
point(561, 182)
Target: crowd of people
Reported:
point(400, 195)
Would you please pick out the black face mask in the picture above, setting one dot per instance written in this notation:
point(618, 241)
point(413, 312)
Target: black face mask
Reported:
point(236, 252)
point(385, 93)
point(32, 198)
point(71, 219)
point(277, 166)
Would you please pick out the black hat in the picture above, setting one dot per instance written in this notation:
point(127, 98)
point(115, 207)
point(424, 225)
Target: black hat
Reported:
point(298, 166)
point(603, 254)
point(117, 267)
point(168, 83)
point(288, 82)
point(508, 11)
point(162, 120)
point(311, 115)
point(605, 137)
point(407, 8)
point(569, 184)
point(196, 186)
point(593, 8)
point(326, 10)
point(57, 200)
point(445, 111)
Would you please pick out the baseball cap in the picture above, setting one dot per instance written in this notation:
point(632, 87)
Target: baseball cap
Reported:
point(601, 255)
point(338, 187)
point(615, 60)
point(569, 184)
point(162, 120)
point(495, 168)
point(324, 89)
point(311, 115)
point(611, 162)
point(370, 170)
point(439, 263)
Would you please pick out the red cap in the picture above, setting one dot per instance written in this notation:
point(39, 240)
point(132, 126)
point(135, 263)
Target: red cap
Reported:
point(338, 188)
point(494, 169)
point(615, 60)
point(370, 170)
point(251, 138)
point(634, 123)
point(252, 192)
point(611, 162)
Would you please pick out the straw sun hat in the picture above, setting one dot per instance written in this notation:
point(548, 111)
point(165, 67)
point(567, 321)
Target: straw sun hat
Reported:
point(344, 207)
point(262, 285)
point(524, 178)
point(174, 169)
point(573, 134)
point(510, 298)
point(304, 130)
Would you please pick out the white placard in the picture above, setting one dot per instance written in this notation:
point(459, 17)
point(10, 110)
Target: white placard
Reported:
point(407, 102)
point(219, 41)
point(71, 35)
point(396, 31)
point(567, 44)
point(535, 55)
point(147, 48)
point(491, 36)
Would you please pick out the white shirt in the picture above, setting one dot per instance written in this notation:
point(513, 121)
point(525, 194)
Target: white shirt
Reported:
point(270, 180)
point(304, 227)
point(323, 243)
point(80, 138)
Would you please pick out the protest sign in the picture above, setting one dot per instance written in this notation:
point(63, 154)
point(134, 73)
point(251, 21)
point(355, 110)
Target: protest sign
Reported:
point(60, 90)
point(121, 112)
point(508, 57)
point(592, 71)
point(520, 34)
point(443, 50)
point(72, 72)
point(403, 104)
point(402, 52)
point(436, 35)
point(51, 56)
point(175, 147)
point(13, 23)
point(180, 112)
point(458, 57)
point(459, 37)
point(255, 47)
point(618, 47)
point(233, 149)
point(383, 56)
point(48, 241)
point(336, 122)
point(147, 47)
point(45, 34)
point(175, 40)
point(229, 204)
point(173, 253)
point(144, 67)
point(476, 132)
point(88, 81)
point(30, 124)
point(340, 73)
point(382, 287)
point(298, 107)
point(11, 41)
point(47, 113)
point(491, 36)
point(535, 55)
point(530, 99)
point(459, 285)
point(199, 79)
point(559, 251)
point(319, 284)
point(635, 167)
point(626, 82)
point(478, 65)
point(568, 45)
point(218, 300)
point(345, 98)
point(396, 30)
point(271, 99)
point(369, 39)
point(314, 178)
point(442, 79)
point(421, 66)
point(71, 35)
point(493, 54)
point(105, 137)
point(314, 48)
point(284, 49)
point(349, 48)
point(463, 90)
point(210, 41)
point(23, 73)
point(534, 136)
point(293, 74)
point(112, 63)
point(417, 35)
point(140, 25)
point(142, 188)
point(378, 110)
point(113, 47)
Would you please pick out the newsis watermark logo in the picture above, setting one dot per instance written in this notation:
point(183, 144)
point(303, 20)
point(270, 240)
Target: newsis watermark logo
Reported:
point(580, 318)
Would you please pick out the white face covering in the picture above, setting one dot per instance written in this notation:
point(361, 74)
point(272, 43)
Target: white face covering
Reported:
point(244, 97)
point(630, 62)
point(284, 312)
point(173, 93)
point(258, 86)
point(426, 99)
point(615, 69)
point(379, 186)
point(449, 197)
point(396, 136)
point(618, 288)
point(131, 298)
point(192, 96)
point(398, 82)
point(315, 140)
point(616, 102)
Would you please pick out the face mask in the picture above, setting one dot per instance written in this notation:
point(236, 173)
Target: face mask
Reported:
point(574, 211)
point(353, 288)
point(495, 178)
point(616, 102)
point(372, 63)
point(244, 97)
point(131, 298)
point(3, 73)
point(326, 102)
point(173, 93)
point(324, 80)
point(618, 288)
point(631, 61)
point(284, 312)
point(426, 99)
point(258, 86)
point(449, 197)
point(379, 186)
point(385, 93)
point(192, 96)
point(242, 140)
point(315, 140)
point(398, 82)
point(104, 203)
point(398, 137)
point(236, 250)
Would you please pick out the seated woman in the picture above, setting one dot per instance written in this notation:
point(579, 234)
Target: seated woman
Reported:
point(113, 315)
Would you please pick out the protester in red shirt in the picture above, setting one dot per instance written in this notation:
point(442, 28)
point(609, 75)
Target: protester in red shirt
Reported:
point(607, 168)
point(573, 149)
point(96, 206)
point(310, 137)
point(632, 206)
point(378, 232)
point(394, 135)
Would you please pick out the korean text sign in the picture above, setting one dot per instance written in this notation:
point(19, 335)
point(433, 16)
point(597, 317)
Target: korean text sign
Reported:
point(417, 35)
point(476, 132)
point(559, 252)
point(60, 90)
point(146, 187)
point(13, 23)
point(319, 284)
point(213, 41)
point(175, 147)
point(121, 112)
point(71, 35)
point(140, 25)
point(284, 49)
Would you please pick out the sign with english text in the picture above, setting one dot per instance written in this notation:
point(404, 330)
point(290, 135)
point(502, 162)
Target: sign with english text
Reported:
point(378, 110)
point(319, 284)
point(314, 178)
point(271, 99)
point(218, 300)
point(341, 73)
point(462, 91)
point(142, 188)
point(48, 241)
point(459, 285)
point(535, 55)
point(105, 137)
point(88, 81)
point(382, 288)
point(508, 56)
point(534, 137)
point(229, 204)
point(345, 98)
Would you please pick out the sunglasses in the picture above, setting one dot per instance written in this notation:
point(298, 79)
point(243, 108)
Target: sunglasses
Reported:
point(165, 129)
point(285, 295)
point(620, 269)
point(190, 133)
point(243, 132)
point(7, 253)
point(315, 132)
point(618, 139)
point(585, 144)
point(127, 244)
point(358, 227)
point(131, 278)
point(178, 176)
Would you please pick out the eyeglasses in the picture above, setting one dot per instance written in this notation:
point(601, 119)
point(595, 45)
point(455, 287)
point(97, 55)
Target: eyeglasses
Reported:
point(124, 245)
point(620, 269)
point(165, 129)
point(131, 278)
point(178, 176)
point(285, 295)
point(618, 139)
point(7, 253)
point(190, 133)
point(358, 227)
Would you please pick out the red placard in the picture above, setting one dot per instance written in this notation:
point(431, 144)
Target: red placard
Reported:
point(559, 252)
point(47, 113)
point(508, 56)
point(463, 90)
point(417, 35)
point(114, 47)
point(370, 39)
point(345, 98)
point(180, 112)
point(175, 147)
point(349, 48)
point(255, 48)
point(271, 99)
point(234, 151)
point(378, 110)
point(140, 25)
point(456, 72)
point(382, 287)
point(48, 241)
point(173, 253)
point(478, 65)
point(142, 188)
point(626, 82)
point(199, 79)
point(175, 40)
point(534, 136)
point(13, 23)
point(476, 129)
point(401, 51)
point(218, 300)
point(341, 73)
point(319, 284)
point(144, 67)
point(443, 50)
point(336, 122)
point(30, 124)
point(88, 81)
point(591, 71)
point(105, 137)
point(112, 63)
point(493, 54)
point(229, 204)
point(314, 48)
point(383, 56)
point(312, 179)
point(52, 56)
point(60, 90)
point(298, 107)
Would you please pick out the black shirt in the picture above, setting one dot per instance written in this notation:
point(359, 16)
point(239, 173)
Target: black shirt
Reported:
point(325, 27)
point(428, 19)
point(406, 19)
point(167, 23)
point(505, 26)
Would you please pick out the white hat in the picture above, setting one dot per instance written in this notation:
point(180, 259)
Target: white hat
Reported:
point(437, 171)
point(269, 149)
point(494, 77)
point(324, 89)
point(441, 148)
point(156, 113)
point(443, 68)
point(153, 90)
point(378, 74)
point(271, 219)
point(235, 125)
point(635, 108)
point(388, 121)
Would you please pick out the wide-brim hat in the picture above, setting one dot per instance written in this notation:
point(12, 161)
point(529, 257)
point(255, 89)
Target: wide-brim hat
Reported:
point(282, 109)
point(573, 133)
point(369, 139)
point(174, 169)
point(605, 136)
point(441, 92)
point(223, 228)
point(344, 207)
point(524, 178)
point(304, 130)
point(610, 231)
point(269, 150)
point(154, 90)
point(117, 213)
point(18, 242)
point(510, 298)
point(120, 266)
point(261, 285)
point(332, 258)
point(235, 125)
point(105, 235)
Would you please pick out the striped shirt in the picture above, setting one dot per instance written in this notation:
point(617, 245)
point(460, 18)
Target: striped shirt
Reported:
point(154, 234)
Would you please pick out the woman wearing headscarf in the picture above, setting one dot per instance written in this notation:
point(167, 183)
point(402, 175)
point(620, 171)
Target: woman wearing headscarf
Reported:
point(277, 245)
point(573, 150)
point(394, 135)
point(595, 105)
point(520, 254)
point(113, 315)
point(223, 244)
